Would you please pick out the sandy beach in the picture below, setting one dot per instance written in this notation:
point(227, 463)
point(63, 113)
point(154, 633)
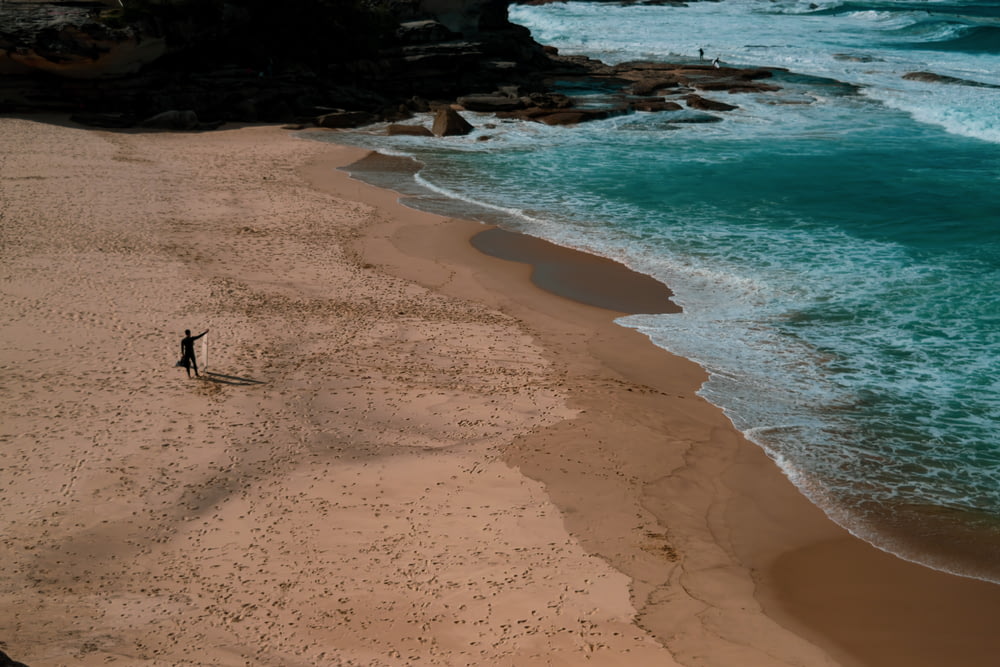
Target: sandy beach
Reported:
point(401, 450)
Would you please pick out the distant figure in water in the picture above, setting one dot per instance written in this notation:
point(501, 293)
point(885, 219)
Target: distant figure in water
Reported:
point(701, 54)
point(715, 63)
point(187, 352)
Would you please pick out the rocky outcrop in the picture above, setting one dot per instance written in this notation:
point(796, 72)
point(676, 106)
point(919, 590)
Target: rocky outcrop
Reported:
point(75, 45)
point(102, 61)
point(650, 77)
point(633, 86)
point(87, 51)
point(114, 68)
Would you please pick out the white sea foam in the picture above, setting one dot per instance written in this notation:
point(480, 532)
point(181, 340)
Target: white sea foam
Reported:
point(790, 35)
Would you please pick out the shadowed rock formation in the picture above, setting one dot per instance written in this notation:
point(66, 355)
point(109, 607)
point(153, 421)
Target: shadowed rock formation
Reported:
point(195, 64)
point(251, 60)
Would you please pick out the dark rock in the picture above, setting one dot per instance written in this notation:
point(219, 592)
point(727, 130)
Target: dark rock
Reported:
point(653, 86)
point(396, 114)
point(548, 100)
point(699, 102)
point(418, 104)
point(211, 125)
point(736, 86)
point(928, 77)
point(441, 50)
point(395, 130)
point(73, 45)
point(490, 102)
point(651, 77)
point(574, 116)
point(854, 58)
point(448, 122)
point(243, 111)
point(569, 117)
point(423, 32)
point(172, 120)
point(275, 110)
point(344, 119)
point(109, 120)
point(654, 104)
point(425, 55)
point(931, 77)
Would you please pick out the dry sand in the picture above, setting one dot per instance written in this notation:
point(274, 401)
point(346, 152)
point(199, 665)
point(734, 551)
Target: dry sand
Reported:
point(401, 450)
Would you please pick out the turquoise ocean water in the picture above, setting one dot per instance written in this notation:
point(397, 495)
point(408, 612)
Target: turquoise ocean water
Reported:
point(835, 245)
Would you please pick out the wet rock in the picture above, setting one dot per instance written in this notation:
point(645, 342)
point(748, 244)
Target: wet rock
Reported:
point(448, 122)
point(736, 86)
point(699, 102)
point(654, 104)
point(931, 77)
point(564, 116)
point(653, 86)
point(854, 58)
point(396, 130)
point(568, 117)
point(651, 77)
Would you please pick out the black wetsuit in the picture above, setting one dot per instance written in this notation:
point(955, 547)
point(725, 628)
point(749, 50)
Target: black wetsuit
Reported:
point(187, 352)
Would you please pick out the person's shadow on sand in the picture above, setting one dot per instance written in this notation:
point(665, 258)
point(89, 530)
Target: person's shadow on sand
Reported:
point(219, 378)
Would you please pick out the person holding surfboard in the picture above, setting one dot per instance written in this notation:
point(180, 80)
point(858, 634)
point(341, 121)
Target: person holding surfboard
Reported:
point(188, 360)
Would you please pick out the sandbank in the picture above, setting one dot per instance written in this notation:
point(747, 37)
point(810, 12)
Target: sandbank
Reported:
point(401, 450)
